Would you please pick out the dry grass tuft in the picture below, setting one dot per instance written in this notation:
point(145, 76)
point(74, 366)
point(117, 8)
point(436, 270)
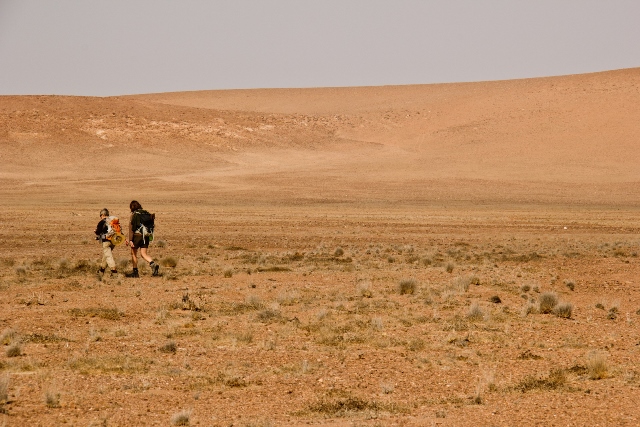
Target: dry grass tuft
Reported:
point(475, 312)
point(169, 261)
point(169, 347)
point(547, 302)
point(449, 268)
point(529, 308)
point(344, 404)
point(597, 366)
point(102, 313)
point(462, 283)
point(407, 287)
point(52, 399)
point(14, 350)
point(228, 273)
point(563, 310)
point(270, 314)
point(8, 336)
point(182, 418)
point(364, 290)
point(556, 379)
point(4, 390)
point(338, 252)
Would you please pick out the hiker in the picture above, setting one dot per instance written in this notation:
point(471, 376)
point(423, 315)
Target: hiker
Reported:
point(108, 233)
point(140, 229)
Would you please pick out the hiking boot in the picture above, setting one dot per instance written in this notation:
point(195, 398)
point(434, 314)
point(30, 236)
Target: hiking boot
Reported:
point(134, 273)
point(154, 269)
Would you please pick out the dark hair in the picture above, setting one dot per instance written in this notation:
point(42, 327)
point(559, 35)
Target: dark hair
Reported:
point(134, 205)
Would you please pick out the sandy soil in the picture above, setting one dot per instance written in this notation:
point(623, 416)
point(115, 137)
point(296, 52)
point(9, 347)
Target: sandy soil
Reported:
point(329, 256)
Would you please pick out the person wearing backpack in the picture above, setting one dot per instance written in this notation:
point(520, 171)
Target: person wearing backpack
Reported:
point(141, 225)
point(107, 233)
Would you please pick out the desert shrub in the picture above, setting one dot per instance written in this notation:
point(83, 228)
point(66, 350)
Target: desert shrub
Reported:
point(570, 284)
point(288, 298)
point(377, 323)
point(169, 347)
point(529, 308)
point(8, 336)
point(495, 299)
point(85, 266)
point(182, 418)
point(556, 379)
point(14, 350)
point(196, 303)
point(245, 337)
point(8, 262)
point(253, 302)
point(269, 315)
point(341, 406)
point(364, 290)
point(525, 288)
point(449, 267)
point(416, 344)
point(338, 252)
point(161, 243)
point(597, 366)
point(462, 283)
point(4, 390)
point(103, 313)
point(275, 268)
point(547, 302)
point(52, 399)
point(475, 312)
point(228, 273)
point(63, 264)
point(407, 287)
point(600, 306)
point(563, 310)
point(123, 263)
point(169, 261)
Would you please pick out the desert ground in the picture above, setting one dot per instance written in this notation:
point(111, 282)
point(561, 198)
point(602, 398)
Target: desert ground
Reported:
point(429, 255)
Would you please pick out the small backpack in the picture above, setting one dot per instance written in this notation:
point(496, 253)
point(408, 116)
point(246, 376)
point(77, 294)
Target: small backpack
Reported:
point(146, 224)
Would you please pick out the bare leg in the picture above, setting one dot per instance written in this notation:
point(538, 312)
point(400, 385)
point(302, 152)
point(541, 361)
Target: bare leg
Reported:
point(143, 254)
point(134, 257)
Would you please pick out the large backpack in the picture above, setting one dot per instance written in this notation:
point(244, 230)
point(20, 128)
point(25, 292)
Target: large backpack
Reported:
point(144, 223)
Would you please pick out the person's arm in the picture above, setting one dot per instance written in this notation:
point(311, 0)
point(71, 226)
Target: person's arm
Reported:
point(131, 227)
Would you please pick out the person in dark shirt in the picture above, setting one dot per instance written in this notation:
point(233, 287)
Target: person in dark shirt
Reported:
point(137, 240)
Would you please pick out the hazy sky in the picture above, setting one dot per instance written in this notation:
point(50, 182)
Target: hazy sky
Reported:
point(112, 47)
